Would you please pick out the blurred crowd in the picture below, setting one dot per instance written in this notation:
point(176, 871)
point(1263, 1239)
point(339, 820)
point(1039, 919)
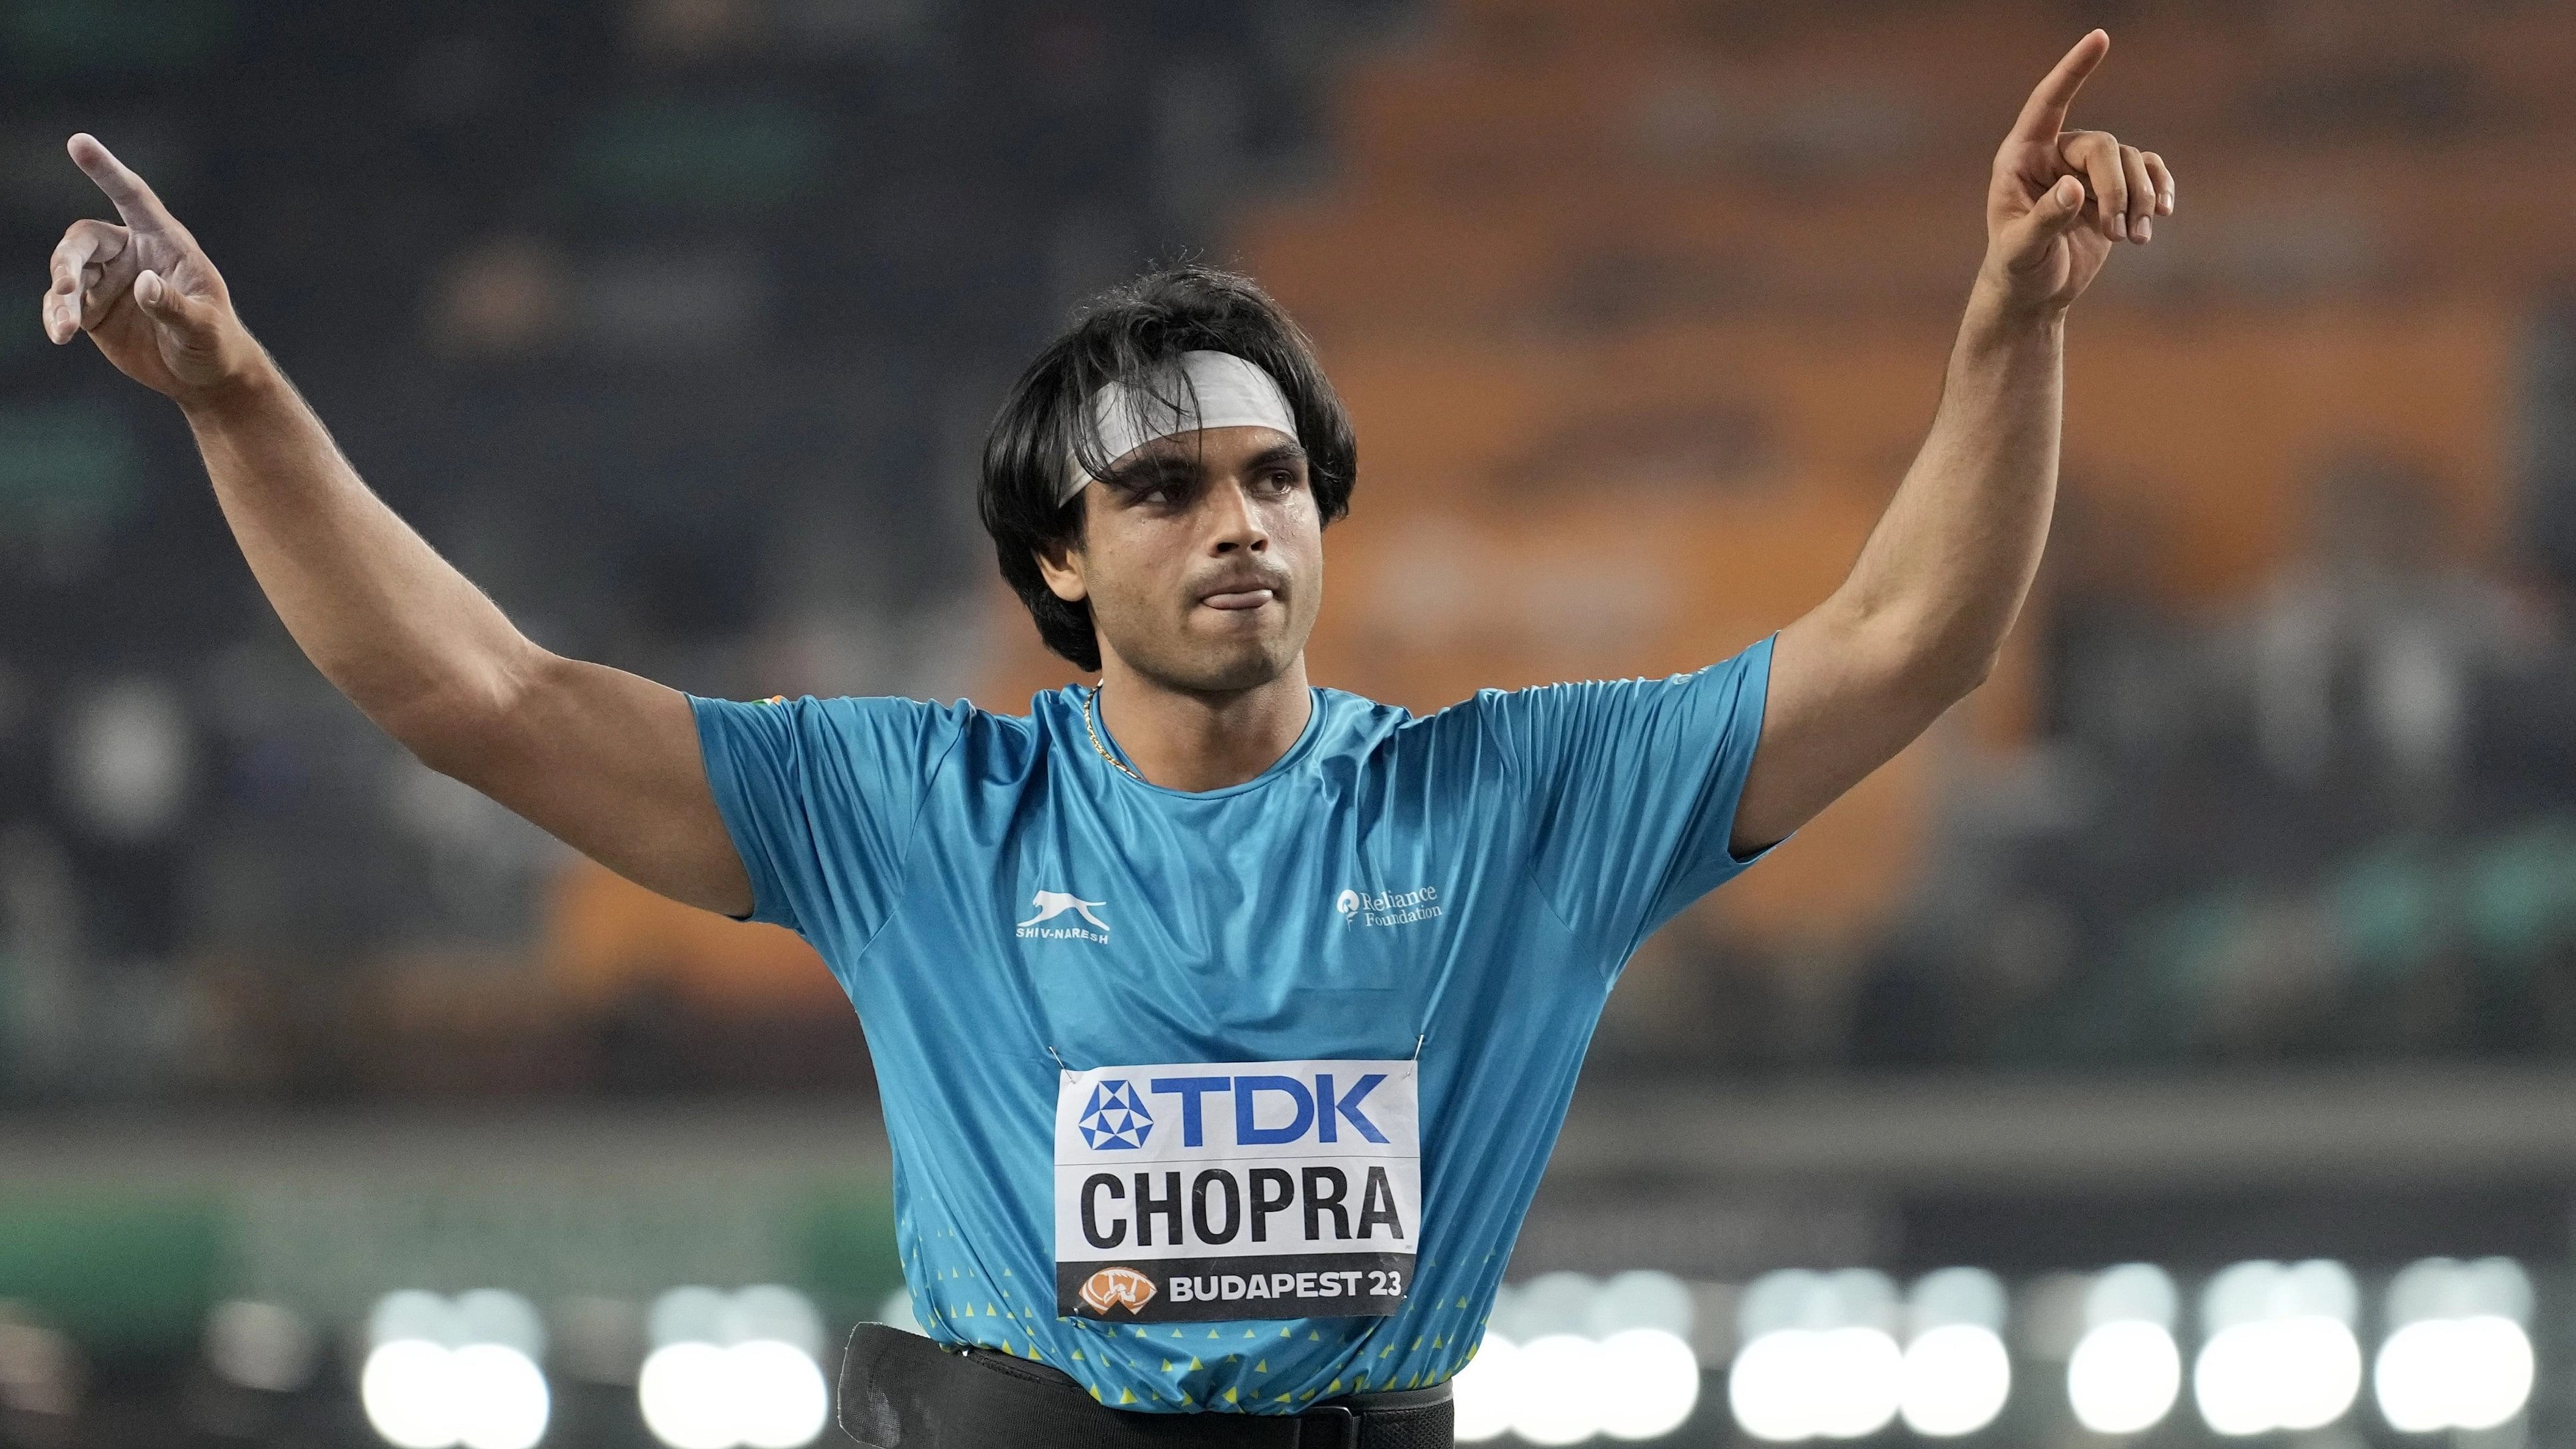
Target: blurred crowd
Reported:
point(2336, 820)
point(675, 323)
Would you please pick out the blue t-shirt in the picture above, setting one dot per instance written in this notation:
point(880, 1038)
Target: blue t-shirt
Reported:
point(1357, 989)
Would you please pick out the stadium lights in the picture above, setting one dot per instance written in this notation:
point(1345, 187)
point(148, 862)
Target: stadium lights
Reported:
point(1486, 1392)
point(1566, 1358)
point(442, 1373)
point(1819, 1358)
point(2280, 1353)
point(1649, 1383)
point(2457, 1355)
point(1957, 1373)
point(1560, 1399)
point(2126, 1371)
point(734, 1371)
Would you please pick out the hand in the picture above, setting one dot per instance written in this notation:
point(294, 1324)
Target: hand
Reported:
point(2060, 198)
point(144, 291)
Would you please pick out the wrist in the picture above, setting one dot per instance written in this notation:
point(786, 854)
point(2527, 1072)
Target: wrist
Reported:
point(1997, 316)
point(254, 386)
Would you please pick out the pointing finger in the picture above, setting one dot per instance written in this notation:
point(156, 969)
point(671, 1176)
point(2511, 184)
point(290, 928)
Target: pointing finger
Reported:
point(134, 199)
point(2044, 114)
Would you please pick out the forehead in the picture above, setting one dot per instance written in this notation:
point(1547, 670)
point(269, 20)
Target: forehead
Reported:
point(1220, 450)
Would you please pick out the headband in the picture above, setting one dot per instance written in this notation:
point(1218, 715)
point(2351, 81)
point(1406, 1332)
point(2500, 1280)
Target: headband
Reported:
point(1220, 390)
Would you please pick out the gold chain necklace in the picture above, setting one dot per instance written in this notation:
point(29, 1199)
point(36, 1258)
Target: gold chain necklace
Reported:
point(1093, 730)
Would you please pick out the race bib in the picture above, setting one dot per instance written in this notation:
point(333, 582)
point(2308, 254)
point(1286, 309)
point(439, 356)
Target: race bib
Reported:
point(1206, 1190)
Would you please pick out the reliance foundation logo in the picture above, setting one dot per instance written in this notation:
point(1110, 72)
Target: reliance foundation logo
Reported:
point(1388, 908)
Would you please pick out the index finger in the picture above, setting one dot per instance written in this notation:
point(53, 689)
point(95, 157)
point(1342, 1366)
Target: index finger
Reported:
point(2044, 114)
point(134, 200)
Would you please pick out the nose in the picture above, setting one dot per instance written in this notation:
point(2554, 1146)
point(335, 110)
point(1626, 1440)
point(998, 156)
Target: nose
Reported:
point(1237, 521)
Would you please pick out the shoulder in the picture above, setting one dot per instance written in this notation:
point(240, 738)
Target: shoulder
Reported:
point(888, 731)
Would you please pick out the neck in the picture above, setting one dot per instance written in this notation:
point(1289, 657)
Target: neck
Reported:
point(1186, 740)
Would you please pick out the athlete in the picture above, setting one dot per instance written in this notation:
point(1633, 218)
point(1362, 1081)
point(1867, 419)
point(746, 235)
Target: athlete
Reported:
point(1223, 1022)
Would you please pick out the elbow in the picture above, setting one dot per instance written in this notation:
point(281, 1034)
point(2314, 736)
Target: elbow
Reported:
point(1947, 676)
point(461, 724)
point(1938, 672)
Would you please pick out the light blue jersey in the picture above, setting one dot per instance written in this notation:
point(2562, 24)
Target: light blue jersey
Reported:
point(1234, 1100)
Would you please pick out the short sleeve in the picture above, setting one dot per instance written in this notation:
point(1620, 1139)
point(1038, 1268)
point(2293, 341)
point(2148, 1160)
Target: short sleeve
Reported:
point(1629, 787)
point(821, 797)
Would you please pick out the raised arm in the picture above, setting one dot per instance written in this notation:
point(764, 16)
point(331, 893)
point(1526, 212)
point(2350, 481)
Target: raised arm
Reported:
point(1922, 617)
point(604, 760)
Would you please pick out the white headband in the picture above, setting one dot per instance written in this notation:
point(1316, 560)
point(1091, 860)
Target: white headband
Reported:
point(1222, 391)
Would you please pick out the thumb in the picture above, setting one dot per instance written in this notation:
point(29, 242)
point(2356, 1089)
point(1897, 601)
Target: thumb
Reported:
point(2027, 240)
point(190, 321)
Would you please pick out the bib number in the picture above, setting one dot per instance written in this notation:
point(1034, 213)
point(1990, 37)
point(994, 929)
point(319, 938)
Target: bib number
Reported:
point(1203, 1190)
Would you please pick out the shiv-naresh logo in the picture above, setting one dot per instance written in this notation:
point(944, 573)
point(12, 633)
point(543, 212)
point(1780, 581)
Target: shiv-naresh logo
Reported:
point(1050, 905)
point(1117, 1287)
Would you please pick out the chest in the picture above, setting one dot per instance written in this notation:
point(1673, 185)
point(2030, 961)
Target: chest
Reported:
point(1288, 923)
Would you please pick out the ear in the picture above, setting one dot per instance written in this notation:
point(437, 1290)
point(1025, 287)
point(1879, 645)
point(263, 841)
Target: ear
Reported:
point(1060, 563)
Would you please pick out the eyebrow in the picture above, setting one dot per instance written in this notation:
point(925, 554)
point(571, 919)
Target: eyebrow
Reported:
point(1161, 464)
point(1289, 452)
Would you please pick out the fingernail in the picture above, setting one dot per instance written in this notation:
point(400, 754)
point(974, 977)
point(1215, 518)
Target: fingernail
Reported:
point(2145, 228)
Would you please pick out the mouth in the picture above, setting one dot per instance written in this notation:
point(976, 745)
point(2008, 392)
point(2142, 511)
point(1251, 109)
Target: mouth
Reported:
point(1245, 592)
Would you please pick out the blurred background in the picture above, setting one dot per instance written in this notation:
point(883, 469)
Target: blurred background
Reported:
point(2178, 1042)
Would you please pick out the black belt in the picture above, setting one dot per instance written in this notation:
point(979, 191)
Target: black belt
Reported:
point(902, 1391)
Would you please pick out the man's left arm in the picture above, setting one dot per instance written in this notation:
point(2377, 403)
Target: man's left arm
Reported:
point(1922, 617)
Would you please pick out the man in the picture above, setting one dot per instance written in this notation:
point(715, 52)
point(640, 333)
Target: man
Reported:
point(1223, 1023)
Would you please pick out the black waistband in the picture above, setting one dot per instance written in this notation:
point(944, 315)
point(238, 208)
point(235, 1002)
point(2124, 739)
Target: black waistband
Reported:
point(902, 1391)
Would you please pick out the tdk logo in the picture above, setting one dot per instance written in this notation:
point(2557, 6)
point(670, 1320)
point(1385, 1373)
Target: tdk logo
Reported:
point(1388, 908)
point(1114, 1118)
point(1326, 1114)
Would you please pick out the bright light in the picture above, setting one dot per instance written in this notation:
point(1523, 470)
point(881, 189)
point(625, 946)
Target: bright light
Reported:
point(765, 1394)
point(1867, 1371)
point(1775, 1385)
point(780, 1401)
point(1649, 1383)
point(1955, 1380)
point(1797, 1383)
point(2123, 1377)
point(1487, 1390)
point(2295, 1373)
point(407, 1389)
point(2454, 1373)
point(501, 1398)
point(1559, 1400)
point(686, 1397)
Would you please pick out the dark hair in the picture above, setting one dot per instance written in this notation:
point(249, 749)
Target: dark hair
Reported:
point(1133, 336)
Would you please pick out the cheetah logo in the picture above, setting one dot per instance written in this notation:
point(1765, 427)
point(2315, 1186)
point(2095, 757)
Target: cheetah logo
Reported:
point(1117, 1287)
point(1051, 904)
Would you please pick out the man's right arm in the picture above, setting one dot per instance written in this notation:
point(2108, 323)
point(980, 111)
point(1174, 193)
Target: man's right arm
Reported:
point(604, 760)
